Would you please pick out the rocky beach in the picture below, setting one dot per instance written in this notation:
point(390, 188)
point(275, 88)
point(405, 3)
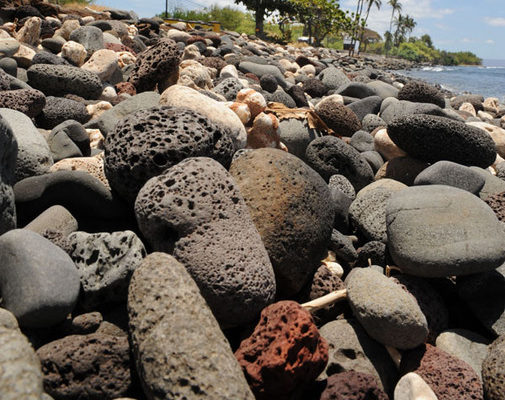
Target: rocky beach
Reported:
point(188, 214)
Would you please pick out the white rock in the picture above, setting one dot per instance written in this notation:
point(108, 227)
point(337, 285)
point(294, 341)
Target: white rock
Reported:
point(413, 387)
point(332, 99)
point(491, 104)
point(181, 96)
point(288, 65)
point(30, 32)
point(74, 52)
point(102, 62)
point(96, 139)
point(191, 52)
point(385, 146)
point(177, 35)
point(87, 19)
point(196, 72)
point(125, 58)
point(24, 56)
point(484, 115)
point(132, 30)
point(229, 71)
point(108, 93)
point(109, 38)
point(309, 70)
point(95, 110)
point(66, 28)
point(469, 108)
point(497, 133)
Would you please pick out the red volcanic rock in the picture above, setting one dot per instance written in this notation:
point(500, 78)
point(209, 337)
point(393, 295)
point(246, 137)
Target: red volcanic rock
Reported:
point(250, 75)
point(118, 47)
point(449, 377)
point(125, 87)
point(194, 39)
point(352, 385)
point(284, 352)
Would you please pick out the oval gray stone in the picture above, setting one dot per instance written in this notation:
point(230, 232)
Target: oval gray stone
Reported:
point(438, 231)
point(38, 281)
point(388, 313)
point(179, 349)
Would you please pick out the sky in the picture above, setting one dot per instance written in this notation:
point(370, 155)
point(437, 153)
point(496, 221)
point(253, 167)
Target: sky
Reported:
point(454, 25)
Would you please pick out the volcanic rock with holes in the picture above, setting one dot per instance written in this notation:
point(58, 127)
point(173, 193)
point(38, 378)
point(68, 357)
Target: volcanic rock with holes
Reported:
point(352, 385)
point(178, 346)
point(195, 210)
point(147, 142)
point(284, 353)
point(291, 207)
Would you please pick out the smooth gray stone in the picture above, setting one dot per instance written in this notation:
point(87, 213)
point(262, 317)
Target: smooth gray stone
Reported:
point(374, 159)
point(296, 135)
point(439, 231)
point(368, 105)
point(90, 37)
point(492, 185)
point(383, 89)
point(388, 313)
point(260, 70)
point(21, 376)
point(33, 156)
point(392, 108)
point(333, 78)
point(105, 262)
point(108, 120)
point(368, 211)
point(465, 345)
point(8, 156)
point(451, 174)
point(371, 122)
point(362, 141)
point(357, 90)
point(173, 330)
point(352, 349)
point(55, 219)
point(39, 282)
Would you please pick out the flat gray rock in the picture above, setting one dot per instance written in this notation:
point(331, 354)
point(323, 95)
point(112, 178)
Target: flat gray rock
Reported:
point(21, 377)
point(105, 262)
point(30, 261)
point(383, 89)
point(8, 156)
point(439, 231)
point(173, 330)
point(296, 135)
point(333, 77)
point(392, 108)
point(259, 70)
point(33, 155)
point(388, 313)
point(492, 184)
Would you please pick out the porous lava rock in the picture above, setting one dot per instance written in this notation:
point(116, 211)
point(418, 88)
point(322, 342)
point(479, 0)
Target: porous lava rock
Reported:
point(86, 367)
point(147, 142)
point(284, 352)
point(291, 207)
point(432, 138)
point(421, 92)
point(449, 377)
point(229, 88)
point(352, 385)
point(57, 110)
point(388, 313)
point(314, 87)
point(59, 80)
point(155, 65)
point(329, 155)
point(497, 204)
point(178, 346)
point(493, 368)
point(28, 101)
point(342, 120)
point(195, 210)
point(476, 100)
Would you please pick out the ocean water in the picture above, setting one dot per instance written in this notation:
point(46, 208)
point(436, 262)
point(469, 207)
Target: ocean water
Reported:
point(487, 80)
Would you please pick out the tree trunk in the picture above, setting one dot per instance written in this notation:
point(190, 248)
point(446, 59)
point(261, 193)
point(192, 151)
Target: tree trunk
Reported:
point(259, 16)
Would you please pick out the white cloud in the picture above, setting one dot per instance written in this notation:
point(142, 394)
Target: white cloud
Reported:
point(490, 41)
point(499, 21)
point(466, 40)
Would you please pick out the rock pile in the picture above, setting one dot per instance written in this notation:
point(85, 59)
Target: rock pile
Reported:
point(181, 209)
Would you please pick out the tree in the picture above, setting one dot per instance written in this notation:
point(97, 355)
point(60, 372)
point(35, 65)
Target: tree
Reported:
point(409, 24)
point(357, 24)
point(264, 8)
point(397, 7)
point(427, 39)
point(370, 4)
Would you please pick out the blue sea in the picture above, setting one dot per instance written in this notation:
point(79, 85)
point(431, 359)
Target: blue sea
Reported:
point(487, 80)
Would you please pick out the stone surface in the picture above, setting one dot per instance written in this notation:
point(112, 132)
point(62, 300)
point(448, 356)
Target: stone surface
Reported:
point(368, 211)
point(393, 108)
point(58, 110)
point(437, 231)
point(218, 113)
point(389, 314)
point(173, 330)
point(383, 89)
point(59, 80)
point(496, 133)
point(341, 183)
point(329, 155)
point(403, 169)
point(21, 377)
point(333, 78)
point(366, 106)
point(421, 92)
point(284, 353)
point(412, 387)
point(28, 101)
point(493, 368)
point(90, 37)
point(342, 120)
point(33, 154)
point(432, 139)
point(449, 377)
point(291, 207)
point(156, 66)
point(296, 135)
point(147, 142)
point(103, 63)
point(105, 262)
point(351, 349)
point(260, 70)
point(29, 260)
point(352, 385)
point(86, 367)
point(358, 90)
point(465, 345)
point(8, 157)
point(362, 141)
point(451, 174)
point(74, 52)
point(196, 211)
point(386, 147)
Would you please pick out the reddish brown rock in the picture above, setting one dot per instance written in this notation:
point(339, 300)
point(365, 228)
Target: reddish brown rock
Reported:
point(86, 367)
point(284, 353)
point(449, 377)
point(119, 47)
point(194, 39)
point(352, 385)
point(497, 204)
point(125, 87)
point(213, 62)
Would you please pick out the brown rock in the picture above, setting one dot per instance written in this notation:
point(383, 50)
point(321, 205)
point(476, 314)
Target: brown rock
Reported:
point(341, 119)
point(284, 352)
point(83, 367)
point(401, 169)
point(125, 87)
point(497, 204)
point(352, 385)
point(449, 377)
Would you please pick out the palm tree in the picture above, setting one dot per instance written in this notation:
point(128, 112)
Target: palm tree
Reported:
point(409, 24)
point(400, 29)
point(396, 5)
point(370, 4)
point(355, 29)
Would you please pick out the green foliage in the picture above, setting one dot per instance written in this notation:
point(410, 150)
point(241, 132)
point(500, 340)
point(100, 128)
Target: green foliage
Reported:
point(71, 2)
